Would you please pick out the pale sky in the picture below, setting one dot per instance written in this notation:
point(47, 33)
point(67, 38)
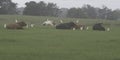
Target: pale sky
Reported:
point(112, 4)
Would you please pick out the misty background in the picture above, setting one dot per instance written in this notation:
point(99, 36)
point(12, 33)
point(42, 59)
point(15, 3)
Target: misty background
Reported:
point(95, 9)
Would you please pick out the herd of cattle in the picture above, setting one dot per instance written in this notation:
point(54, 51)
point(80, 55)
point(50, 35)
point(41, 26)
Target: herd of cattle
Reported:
point(68, 25)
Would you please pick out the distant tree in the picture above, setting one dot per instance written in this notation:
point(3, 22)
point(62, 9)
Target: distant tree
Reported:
point(75, 13)
point(20, 10)
point(31, 8)
point(71, 13)
point(53, 9)
point(63, 12)
point(89, 11)
point(7, 7)
point(104, 12)
point(114, 15)
point(40, 9)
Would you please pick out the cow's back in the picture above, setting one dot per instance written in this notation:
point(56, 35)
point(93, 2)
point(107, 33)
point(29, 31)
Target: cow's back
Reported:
point(14, 26)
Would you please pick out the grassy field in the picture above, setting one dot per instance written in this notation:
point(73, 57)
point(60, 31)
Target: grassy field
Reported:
point(5, 19)
point(46, 43)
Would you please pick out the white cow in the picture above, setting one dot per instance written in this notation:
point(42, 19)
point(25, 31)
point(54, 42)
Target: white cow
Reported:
point(48, 22)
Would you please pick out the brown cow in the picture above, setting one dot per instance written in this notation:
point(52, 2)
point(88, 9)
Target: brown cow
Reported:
point(81, 27)
point(18, 25)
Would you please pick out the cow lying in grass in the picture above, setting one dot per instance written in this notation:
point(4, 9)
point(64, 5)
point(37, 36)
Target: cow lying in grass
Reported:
point(98, 27)
point(48, 22)
point(71, 25)
point(18, 25)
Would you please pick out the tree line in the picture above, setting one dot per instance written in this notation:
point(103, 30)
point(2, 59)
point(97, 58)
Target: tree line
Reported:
point(51, 9)
point(40, 9)
point(88, 11)
point(7, 7)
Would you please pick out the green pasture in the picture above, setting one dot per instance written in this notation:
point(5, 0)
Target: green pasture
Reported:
point(48, 43)
point(5, 19)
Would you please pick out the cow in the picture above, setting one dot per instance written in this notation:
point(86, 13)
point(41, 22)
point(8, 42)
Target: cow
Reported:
point(48, 22)
point(81, 27)
point(18, 25)
point(98, 27)
point(69, 25)
point(72, 25)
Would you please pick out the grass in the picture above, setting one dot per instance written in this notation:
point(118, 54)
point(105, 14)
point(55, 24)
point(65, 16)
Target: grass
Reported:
point(52, 44)
point(46, 43)
point(39, 19)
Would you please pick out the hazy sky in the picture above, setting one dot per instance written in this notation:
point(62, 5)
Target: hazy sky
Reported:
point(113, 4)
